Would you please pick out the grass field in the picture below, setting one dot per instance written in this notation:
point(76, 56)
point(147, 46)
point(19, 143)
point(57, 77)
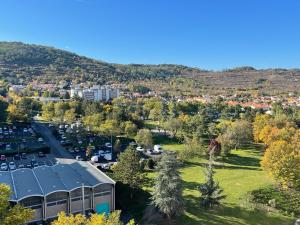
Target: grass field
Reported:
point(237, 175)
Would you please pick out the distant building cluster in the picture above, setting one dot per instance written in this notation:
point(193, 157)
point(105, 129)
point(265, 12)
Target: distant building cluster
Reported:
point(17, 88)
point(95, 93)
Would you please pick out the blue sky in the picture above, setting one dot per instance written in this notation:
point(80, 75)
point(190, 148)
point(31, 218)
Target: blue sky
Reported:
point(209, 34)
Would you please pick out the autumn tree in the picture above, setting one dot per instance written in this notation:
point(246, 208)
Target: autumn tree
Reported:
point(282, 161)
point(130, 129)
point(95, 219)
point(16, 215)
point(144, 138)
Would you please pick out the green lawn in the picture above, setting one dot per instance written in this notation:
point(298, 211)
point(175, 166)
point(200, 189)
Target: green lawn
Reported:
point(239, 174)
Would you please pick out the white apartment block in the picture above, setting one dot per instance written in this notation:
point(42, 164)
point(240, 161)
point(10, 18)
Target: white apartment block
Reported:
point(95, 93)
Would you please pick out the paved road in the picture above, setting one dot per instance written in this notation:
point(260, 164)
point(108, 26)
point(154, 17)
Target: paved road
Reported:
point(56, 148)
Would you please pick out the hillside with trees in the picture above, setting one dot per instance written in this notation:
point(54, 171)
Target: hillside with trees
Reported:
point(22, 63)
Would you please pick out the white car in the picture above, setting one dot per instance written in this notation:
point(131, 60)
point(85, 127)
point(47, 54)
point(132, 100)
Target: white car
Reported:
point(4, 167)
point(95, 158)
point(25, 130)
point(140, 149)
point(108, 145)
point(8, 147)
point(12, 166)
point(40, 140)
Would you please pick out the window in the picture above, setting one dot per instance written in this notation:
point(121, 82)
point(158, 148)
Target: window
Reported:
point(102, 193)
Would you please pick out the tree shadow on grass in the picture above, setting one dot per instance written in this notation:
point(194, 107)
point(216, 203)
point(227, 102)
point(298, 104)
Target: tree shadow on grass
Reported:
point(220, 166)
point(226, 215)
point(132, 207)
point(242, 160)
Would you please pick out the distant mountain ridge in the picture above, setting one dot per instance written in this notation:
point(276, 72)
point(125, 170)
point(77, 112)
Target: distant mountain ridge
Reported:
point(21, 62)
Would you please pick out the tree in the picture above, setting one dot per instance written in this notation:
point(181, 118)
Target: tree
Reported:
point(93, 122)
point(144, 138)
point(260, 121)
point(48, 111)
point(117, 146)
point(88, 151)
point(192, 148)
point(167, 194)
point(16, 215)
point(95, 219)
point(282, 161)
point(211, 193)
point(234, 135)
point(3, 110)
point(130, 129)
point(110, 127)
point(128, 170)
point(173, 125)
point(70, 116)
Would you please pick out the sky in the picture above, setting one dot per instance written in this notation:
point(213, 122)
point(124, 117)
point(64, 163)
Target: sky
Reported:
point(208, 34)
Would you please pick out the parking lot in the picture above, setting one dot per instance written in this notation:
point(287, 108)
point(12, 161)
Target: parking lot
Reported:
point(31, 160)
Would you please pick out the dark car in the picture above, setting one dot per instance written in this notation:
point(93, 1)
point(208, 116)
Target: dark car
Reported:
point(41, 163)
point(41, 154)
point(34, 163)
point(24, 156)
point(28, 166)
point(17, 157)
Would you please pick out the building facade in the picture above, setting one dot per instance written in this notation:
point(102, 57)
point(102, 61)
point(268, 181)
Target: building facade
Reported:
point(73, 187)
point(95, 93)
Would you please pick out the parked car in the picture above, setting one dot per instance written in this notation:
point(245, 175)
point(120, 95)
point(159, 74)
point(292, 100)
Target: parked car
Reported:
point(25, 130)
point(2, 158)
point(108, 145)
point(41, 163)
point(41, 154)
point(21, 166)
point(71, 150)
point(28, 166)
point(140, 149)
point(78, 158)
point(4, 167)
point(76, 149)
point(34, 163)
point(24, 156)
point(8, 147)
point(40, 139)
point(17, 157)
point(12, 166)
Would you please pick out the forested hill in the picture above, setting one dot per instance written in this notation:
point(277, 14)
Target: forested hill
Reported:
point(21, 62)
point(29, 62)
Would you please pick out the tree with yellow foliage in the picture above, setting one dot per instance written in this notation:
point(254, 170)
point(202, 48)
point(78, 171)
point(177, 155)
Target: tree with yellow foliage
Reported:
point(16, 215)
point(95, 219)
point(260, 121)
point(282, 162)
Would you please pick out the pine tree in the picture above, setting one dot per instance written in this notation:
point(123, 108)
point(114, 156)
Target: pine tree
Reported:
point(167, 194)
point(211, 193)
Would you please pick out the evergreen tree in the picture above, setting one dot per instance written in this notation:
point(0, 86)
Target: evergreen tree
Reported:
point(211, 193)
point(128, 170)
point(167, 194)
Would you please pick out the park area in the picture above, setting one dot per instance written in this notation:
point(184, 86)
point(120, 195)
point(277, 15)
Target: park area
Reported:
point(237, 174)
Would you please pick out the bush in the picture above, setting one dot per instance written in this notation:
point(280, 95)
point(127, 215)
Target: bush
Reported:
point(284, 201)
